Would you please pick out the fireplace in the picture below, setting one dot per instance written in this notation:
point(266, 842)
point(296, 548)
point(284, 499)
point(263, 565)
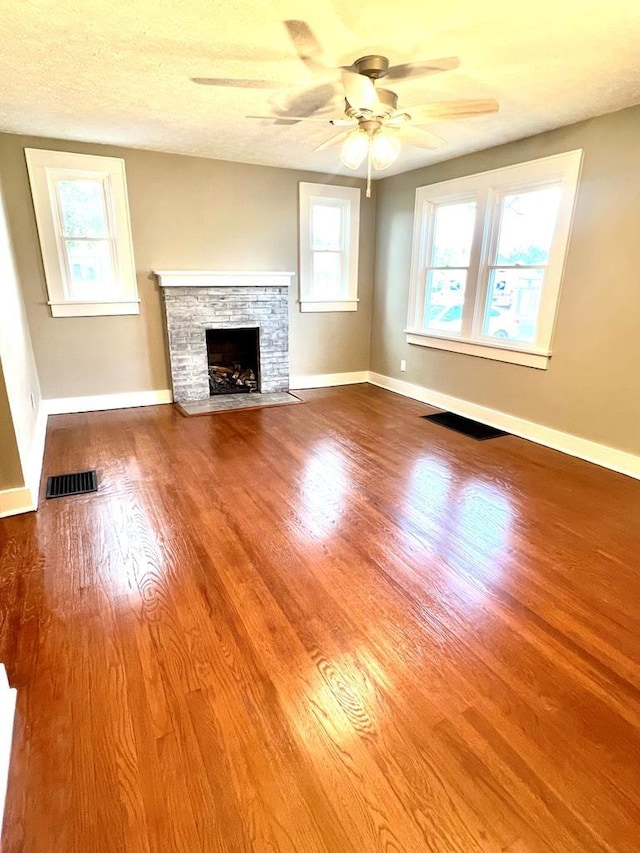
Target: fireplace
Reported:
point(201, 304)
point(233, 358)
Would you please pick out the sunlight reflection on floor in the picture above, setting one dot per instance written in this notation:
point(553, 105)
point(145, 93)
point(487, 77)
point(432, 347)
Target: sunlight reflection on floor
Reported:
point(324, 491)
point(466, 522)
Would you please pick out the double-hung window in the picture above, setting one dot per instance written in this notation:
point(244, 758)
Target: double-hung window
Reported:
point(329, 233)
point(488, 255)
point(82, 215)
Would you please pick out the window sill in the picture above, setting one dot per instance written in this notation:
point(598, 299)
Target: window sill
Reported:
point(496, 352)
point(94, 309)
point(335, 305)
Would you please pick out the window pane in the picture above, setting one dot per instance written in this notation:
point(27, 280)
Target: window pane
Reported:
point(90, 265)
point(327, 279)
point(526, 226)
point(326, 227)
point(82, 203)
point(513, 303)
point(453, 233)
point(445, 297)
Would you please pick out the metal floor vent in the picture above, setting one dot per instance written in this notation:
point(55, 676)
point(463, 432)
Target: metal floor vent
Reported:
point(63, 485)
point(474, 429)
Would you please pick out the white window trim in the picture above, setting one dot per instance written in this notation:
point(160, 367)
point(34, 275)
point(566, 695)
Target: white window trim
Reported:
point(46, 166)
point(309, 301)
point(487, 188)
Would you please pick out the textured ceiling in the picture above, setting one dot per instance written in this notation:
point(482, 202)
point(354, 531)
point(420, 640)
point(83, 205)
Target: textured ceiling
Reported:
point(120, 72)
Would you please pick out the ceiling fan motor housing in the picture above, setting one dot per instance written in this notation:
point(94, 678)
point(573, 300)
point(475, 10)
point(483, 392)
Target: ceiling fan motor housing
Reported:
point(372, 66)
point(387, 103)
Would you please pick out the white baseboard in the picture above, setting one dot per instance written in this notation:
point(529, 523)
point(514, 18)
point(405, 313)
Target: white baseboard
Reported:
point(36, 454)
point(16, 501)
point(101, 402)
point(590, 451)
point(25, 498)
point(326, 380)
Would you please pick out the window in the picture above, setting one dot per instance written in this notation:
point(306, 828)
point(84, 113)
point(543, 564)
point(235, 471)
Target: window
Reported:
point(488, 255)
point(82, 214)
point(329, 233)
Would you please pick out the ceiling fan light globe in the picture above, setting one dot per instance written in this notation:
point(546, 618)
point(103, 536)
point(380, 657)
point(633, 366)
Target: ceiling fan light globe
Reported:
point(385, 149)
point(354, 149)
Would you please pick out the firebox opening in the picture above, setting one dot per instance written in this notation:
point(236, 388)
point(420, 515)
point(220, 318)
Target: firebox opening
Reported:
point(233, 357)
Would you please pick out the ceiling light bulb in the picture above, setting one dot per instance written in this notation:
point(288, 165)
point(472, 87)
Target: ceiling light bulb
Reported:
point(384, 150)
point(354, 149)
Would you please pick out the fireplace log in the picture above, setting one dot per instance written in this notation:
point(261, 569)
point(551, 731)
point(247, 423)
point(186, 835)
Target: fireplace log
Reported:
point(224, 379)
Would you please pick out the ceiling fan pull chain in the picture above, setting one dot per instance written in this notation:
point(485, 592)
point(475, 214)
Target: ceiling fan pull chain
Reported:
point(369, 155)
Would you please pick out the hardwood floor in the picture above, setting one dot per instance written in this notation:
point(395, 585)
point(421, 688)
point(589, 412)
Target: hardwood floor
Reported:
point(330, 627)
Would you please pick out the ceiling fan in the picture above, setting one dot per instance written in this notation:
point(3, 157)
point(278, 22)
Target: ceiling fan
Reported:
point(376, 124)
point(322, 95)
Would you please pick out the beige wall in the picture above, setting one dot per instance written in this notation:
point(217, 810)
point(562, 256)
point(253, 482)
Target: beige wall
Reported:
point(16, 353)
point(195, 213)
point(187, 213)
point(592, 386)
point(10, 468)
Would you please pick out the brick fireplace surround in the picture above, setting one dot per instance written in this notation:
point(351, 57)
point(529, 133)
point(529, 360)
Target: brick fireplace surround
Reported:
point(195, 301)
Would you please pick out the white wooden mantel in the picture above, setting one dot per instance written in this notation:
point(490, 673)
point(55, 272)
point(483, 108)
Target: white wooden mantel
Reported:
point(219, 278)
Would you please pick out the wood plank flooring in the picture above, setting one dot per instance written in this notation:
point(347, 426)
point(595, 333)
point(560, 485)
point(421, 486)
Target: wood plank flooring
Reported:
point(325, 628)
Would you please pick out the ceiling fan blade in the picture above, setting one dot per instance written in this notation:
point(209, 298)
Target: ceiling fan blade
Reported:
point(336, 122)
point(359, 90)
point(237, 83)
point(413, 70)
point(306, 44)
point(305, 102)
point(419, 138)
point(333, 140)
point(448, 110)
point(274, 119)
